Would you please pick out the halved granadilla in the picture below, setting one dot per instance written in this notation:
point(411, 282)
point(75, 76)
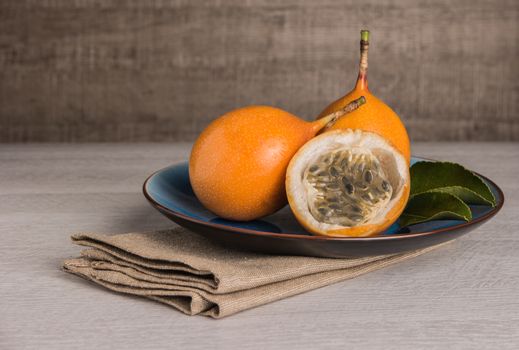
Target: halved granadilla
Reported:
point(347, 183)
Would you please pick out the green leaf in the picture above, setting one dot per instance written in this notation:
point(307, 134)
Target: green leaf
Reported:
point(450, 178)
point(433, 205)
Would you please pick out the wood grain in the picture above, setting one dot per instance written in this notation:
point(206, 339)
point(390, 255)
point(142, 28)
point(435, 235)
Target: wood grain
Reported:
point(463, 296)
point(86, 70)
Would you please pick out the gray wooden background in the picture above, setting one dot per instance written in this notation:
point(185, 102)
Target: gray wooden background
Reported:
point(85, 70)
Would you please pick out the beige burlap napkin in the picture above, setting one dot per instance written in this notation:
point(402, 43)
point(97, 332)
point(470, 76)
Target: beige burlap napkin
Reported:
point(198, 277)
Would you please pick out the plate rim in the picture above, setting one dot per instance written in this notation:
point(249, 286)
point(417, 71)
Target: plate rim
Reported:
point(312, 237)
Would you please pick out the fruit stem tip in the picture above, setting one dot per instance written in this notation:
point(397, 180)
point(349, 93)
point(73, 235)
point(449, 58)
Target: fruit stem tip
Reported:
point(364, 35)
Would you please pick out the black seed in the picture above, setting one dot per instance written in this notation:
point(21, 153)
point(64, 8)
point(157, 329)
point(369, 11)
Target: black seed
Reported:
point(332, 199)
point(322, 173)
point(356, 209)
point(313, 168)
point(347, 185)
point(368, 176)
point(344, 163)
point(322, 211)
point(334, 171)
point(385, 186)
point(334, 206)
point(366, 197)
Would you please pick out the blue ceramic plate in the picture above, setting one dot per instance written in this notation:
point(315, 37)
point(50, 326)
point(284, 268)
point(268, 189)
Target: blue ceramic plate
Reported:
point(170, 192)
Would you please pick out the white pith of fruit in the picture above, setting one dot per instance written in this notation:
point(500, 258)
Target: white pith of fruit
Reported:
point(368, 151)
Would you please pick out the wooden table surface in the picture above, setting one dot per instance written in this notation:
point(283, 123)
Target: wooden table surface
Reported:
point(465, 295)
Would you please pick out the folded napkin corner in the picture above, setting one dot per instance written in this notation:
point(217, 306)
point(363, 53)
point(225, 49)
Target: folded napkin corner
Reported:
point(198, 277)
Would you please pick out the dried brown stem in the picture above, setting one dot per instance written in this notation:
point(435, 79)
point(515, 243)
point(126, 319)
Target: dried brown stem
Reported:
point(350, 107)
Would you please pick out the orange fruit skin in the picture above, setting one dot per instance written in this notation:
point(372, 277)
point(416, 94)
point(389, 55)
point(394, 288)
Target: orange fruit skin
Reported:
point(238, 163)
point(374, 116)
